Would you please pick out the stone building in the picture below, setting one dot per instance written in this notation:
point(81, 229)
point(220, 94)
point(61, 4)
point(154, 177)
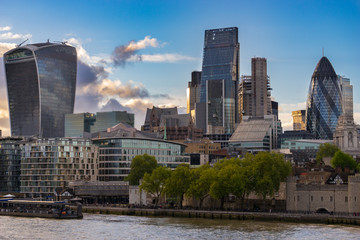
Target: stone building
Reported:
point(338, 197)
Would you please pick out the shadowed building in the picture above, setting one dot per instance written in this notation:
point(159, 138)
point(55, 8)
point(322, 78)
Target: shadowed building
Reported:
point(41, 81)
point(324, 102)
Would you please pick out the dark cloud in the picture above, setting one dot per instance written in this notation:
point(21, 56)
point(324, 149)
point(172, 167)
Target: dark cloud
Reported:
point(89, 73)
point(114, 105)
point(166, 96)
point(123, 53)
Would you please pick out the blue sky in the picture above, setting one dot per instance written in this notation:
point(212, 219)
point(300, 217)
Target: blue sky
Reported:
point(290, 34)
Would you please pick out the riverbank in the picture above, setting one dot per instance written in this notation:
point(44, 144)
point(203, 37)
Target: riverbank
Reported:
point(232, 215)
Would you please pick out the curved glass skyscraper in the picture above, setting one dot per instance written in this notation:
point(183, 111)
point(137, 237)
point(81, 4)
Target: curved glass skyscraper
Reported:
point(324, 102)
point(41, 82)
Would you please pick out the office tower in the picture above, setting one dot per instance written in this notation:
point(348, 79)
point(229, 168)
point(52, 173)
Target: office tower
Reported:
point(41, 81)
point(105, 120)
point(324, 102)
point(219, 80)
point(299, 120)
point(254, 91)
point(347, 95)
point(78, 123)
point(275, 109)
point(193, 92)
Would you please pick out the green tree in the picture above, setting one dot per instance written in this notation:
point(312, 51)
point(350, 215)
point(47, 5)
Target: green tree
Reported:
point(343, 160)
point(269, 170)
point(140, 165)
point(201, 180)
point(154, 183)
point(178, 183)
point(326, 150)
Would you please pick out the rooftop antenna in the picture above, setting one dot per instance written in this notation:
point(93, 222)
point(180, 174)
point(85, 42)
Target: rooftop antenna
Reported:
point(323, 52)
point(62, 42)
point(22, 43)
point(48, 40)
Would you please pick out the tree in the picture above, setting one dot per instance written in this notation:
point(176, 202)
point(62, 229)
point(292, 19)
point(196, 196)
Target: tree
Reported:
point(269, 170)
point(343, 160)
point(326, 150)
point(178, 183)
point(154, 183)
point(140, 165)
point(201, 181)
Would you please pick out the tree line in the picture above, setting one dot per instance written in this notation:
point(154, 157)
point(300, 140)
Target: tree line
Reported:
point(260, 173)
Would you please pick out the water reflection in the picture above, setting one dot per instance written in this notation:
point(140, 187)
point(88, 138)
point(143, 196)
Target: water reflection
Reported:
point(131, 227)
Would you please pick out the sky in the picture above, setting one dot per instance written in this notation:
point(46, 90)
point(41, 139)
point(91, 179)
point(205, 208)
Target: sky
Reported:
point(137, 54)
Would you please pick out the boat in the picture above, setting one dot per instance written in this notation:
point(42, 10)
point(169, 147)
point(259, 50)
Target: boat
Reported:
point(42, 209)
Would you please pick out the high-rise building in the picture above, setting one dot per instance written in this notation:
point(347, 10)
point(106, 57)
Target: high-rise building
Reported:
point(78, 123)
point(193, 92)
point(105, 120)
point(41, 81)
point(324, 102)
point(254, 91)
point(299, 117)
point(347, 95)
point(219, 81)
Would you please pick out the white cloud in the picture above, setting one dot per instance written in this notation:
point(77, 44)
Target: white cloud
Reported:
point(141, 44)
point(6, 28)
point(4, 47)
point(167, 57)
point(13, 36)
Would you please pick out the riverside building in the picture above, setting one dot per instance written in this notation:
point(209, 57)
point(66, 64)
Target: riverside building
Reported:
point(47, 164)
point(120, 144)
point(41, 81)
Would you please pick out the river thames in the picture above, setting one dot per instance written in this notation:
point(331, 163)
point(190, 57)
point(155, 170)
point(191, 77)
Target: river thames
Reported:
point(131, 227)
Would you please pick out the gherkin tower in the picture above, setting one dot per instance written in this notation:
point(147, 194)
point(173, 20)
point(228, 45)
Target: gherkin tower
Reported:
point(323, 106)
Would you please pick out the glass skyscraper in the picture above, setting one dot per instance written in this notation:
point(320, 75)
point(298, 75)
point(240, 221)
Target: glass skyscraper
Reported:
point(41, 82)
point(219, 80)
point(324, 103)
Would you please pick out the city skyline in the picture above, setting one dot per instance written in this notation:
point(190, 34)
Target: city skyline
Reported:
point(117, 73)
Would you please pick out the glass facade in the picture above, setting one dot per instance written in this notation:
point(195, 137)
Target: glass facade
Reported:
point(116, 154)
point(10, 158)
point(106, 120)
point(324, 102)
point(41, 81)
point(78, 123)
point(219, 79)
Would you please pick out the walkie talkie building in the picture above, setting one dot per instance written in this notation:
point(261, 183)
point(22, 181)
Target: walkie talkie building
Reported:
point(41, 83)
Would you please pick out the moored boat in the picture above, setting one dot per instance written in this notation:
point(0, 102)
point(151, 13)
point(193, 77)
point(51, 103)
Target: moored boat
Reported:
point(43, 209)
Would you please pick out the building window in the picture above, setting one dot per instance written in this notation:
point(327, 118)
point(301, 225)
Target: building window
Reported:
point(312, 198)
point(331, 198)
point(298, 198)
point(322, 199)
point(346, 199)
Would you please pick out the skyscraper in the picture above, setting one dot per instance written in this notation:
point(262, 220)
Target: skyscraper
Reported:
point(41, 81)
point(219, 80)
point(324, 102)
point(254, 91)
point(193, 92)
point(299, 117)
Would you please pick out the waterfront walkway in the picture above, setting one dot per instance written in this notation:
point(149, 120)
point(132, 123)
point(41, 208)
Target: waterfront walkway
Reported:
point(236, 215)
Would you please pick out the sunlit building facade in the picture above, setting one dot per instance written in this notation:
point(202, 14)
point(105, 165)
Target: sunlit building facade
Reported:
point(47, 164)
point(324, 102)
point(41, 81)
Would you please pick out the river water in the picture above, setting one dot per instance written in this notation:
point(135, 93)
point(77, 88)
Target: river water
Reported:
point(131, 227)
